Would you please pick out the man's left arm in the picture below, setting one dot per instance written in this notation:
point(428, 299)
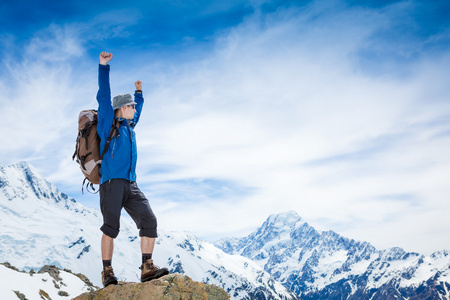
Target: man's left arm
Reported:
point(139, 99)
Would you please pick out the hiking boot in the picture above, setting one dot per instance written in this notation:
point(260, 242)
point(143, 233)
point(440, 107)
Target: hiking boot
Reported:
point(149, 271)
point(108, 277)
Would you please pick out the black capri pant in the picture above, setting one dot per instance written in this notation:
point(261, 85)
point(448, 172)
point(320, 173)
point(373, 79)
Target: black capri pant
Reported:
point(116, 194)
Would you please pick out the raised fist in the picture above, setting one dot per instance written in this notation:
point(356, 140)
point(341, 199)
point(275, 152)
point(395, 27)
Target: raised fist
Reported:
point(138, 85)
point(105, 57)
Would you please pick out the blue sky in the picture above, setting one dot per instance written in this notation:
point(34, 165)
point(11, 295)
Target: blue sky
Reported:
point(338, 110)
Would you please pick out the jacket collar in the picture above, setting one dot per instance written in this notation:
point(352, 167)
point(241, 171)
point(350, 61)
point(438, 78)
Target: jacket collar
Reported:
point(124, 121)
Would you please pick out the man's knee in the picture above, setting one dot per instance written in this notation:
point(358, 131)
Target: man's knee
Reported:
point(148, 232)
point(149, 226)
point(150, 220)
point(109, 231)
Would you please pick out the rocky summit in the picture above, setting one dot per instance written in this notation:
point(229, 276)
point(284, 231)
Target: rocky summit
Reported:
point(172, 286)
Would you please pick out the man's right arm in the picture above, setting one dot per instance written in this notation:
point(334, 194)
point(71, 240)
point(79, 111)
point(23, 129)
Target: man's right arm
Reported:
point(105, 110)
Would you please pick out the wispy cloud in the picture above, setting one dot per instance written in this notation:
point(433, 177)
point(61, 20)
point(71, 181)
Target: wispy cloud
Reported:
point(336, 111)
point(285, 91)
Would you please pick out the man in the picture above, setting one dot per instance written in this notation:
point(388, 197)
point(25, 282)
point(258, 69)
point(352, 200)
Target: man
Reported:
point(118, 188)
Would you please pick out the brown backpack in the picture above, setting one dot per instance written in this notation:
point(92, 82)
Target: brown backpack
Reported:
point(87, 148)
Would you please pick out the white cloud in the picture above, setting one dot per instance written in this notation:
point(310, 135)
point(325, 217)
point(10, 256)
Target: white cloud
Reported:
point(282, 108)
point(54, 44)
point(46, 81)
point(41, 95)
point(282, 115)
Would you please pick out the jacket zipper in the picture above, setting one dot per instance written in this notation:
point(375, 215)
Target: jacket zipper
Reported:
point(114, 145)
point(131, 154)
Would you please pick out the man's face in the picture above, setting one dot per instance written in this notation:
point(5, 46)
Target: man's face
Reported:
point(128, 112)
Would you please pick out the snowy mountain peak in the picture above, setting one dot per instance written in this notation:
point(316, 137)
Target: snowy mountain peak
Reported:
point(326, 265)
point(288, 218)
point(23, 165)
point(282, 230)
point(279, 224)
point(24, 168)
point(22, 181)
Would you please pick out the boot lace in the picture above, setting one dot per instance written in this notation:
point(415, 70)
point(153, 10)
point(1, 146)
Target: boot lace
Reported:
point(150, 266)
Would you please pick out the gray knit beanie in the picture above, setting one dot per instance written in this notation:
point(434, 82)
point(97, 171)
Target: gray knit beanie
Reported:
point(122, 100)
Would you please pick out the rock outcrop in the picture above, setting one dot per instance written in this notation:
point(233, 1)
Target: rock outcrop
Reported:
point(172, 286)
point(49, 282)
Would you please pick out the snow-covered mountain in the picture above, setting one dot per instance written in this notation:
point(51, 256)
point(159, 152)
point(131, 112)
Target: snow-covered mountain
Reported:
point(42, 226)
point(325, 265)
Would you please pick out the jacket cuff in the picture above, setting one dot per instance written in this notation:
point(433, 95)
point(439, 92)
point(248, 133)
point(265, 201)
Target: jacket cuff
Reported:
point(103, 66)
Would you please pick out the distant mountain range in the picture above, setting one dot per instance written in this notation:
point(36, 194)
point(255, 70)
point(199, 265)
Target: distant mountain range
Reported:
point(285, 258)
point(325, 265)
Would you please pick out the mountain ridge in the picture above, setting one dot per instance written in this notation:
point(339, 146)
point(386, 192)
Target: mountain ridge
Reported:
point(43, 226)
point(284, 258)
point(318, 265)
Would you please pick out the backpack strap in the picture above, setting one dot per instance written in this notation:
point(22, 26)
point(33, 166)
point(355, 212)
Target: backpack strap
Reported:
point(114, 130)
point(89, 185)
point(83, 159)
point(112, 133)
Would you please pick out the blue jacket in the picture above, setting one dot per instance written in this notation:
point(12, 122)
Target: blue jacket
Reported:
point(120, 159)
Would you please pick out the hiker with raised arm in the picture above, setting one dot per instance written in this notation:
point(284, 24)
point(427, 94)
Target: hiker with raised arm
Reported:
point(118, 188)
